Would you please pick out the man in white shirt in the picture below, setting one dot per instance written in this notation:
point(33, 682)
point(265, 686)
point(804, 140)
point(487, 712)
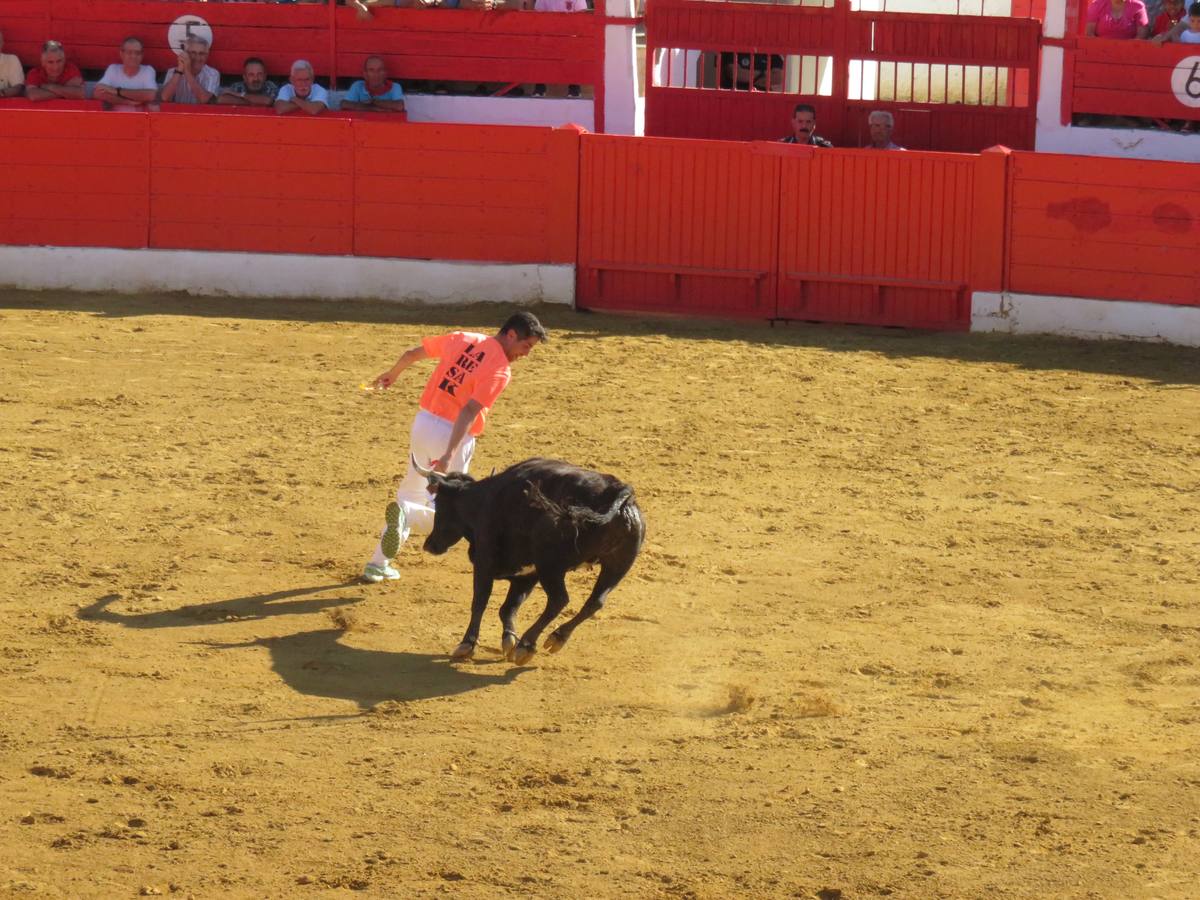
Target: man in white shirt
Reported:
point(881, 123)
point(12, 76)
point(302, 92)
point(191, 81)
point(128, 83)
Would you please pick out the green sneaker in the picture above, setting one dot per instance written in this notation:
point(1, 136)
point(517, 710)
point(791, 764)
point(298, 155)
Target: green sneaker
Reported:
point(394, 516)
point(374, 574)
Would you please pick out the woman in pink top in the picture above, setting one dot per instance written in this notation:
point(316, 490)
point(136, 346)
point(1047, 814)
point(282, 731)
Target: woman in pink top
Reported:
point(1120, 20)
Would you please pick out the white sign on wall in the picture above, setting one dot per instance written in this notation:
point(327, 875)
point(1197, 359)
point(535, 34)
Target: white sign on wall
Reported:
point(185, 27)
point(1185, 81)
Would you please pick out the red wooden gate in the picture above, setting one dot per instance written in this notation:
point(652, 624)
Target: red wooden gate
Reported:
point(954, 83)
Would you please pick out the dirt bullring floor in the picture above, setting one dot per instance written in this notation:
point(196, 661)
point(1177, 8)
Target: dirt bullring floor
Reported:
point(917, 615)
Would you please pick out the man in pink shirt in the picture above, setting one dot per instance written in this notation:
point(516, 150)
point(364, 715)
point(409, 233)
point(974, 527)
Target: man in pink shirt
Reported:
point(1118, 19)
point(472, 371)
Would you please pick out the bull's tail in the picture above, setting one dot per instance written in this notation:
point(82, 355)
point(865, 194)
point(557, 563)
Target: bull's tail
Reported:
point(581, 517)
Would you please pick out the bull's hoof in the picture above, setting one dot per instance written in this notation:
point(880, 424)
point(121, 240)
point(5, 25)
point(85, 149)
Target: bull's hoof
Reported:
point(465, 650)
point(523, 653)
point(508, 644)
point(554, 643)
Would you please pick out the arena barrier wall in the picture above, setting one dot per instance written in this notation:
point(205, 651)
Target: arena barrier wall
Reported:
point(355, 206)
point(776, 231)
point(1110, 229)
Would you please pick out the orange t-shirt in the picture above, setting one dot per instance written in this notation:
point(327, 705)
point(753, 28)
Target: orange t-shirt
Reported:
point(470, 367)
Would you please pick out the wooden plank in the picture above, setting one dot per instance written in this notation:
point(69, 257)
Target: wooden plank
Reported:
point(1087, 254)
point(235, 157)
point(1045, 197)
point(495, 140)
point(1051, 281)
point(40, 179)
point(220, 183)
point(299, 210)
point(435, 217)
point(491, 191)
point(1158, 104)
point(72, 233)
point(252, 239)
point(1098, 170)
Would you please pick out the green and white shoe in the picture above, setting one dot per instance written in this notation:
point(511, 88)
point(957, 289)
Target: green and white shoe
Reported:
point(373, 574)
point(394, 516)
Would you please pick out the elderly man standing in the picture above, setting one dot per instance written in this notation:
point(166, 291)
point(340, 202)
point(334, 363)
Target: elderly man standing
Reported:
point(255, 89)
point(192, 80)
point(881, 123)
point(12, 76)
point(302, 92)
point(55, 78)
point(128, 83)
point(375, 91)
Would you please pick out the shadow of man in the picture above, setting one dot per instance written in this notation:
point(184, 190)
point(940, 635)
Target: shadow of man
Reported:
point(316, 663)
point(239, 609)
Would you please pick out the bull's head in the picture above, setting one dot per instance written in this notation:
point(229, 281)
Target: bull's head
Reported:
point(449, 521)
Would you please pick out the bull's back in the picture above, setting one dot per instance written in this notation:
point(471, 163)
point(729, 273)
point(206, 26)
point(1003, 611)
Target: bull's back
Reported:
point(566, 484)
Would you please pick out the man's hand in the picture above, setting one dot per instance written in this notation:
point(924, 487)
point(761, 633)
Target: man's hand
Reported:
point(439, 465)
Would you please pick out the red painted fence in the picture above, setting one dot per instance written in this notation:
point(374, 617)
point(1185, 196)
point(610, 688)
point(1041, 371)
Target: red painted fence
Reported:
point(757, 230)
point(956, 83)
point(781, 232)
point(262, 183)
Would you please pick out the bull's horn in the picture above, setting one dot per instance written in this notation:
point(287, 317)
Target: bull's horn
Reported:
point(421, 470)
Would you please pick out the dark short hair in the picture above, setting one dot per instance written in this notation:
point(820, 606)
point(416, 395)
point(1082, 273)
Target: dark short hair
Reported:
point(132, 40)
point(523, 325)
point(251, 60)
point(805, 107)
point(1194, 9)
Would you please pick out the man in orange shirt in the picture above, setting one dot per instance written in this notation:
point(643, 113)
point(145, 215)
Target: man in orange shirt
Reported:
point(472, 371)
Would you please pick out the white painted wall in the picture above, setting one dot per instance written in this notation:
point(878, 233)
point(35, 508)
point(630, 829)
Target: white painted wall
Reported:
point(500, 110)
point(620, 71)
point(208, 274)
point(1010, 313)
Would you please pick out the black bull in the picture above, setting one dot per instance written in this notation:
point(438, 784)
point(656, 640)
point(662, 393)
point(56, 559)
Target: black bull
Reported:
point(535, 522)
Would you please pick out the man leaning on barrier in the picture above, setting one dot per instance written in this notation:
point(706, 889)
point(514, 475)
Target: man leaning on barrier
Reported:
point(374, 92)
point(302, 92)
point(128, 83)
point(804, 128)
point(12, 76)
point(255, 89)
point(55, 78)
point(192, 80)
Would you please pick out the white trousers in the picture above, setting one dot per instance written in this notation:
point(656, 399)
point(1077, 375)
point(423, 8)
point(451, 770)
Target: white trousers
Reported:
point(427, 442)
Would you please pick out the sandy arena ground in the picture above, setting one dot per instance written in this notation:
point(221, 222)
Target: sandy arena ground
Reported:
point(917, 616)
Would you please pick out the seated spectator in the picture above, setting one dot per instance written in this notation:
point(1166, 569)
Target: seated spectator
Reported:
point(192, 80)
point(564, 6)
point(12, 76)
point(255, 89)
point(302, 92)
point(375, 91)
point(55, 78)
point(881, 124)
point(1186, 31)
point(804, 127)
point(745, 71)
point(1171, 15)
point(128, 83)
point(1118, 19)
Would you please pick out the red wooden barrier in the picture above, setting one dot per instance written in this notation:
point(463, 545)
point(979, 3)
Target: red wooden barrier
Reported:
point(1135, 78)
point(677, 226)
point(501, 194)
point(74, 178)
point(961, 83)
point(1104, 228)
point(252, 183)
point(887, 238)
